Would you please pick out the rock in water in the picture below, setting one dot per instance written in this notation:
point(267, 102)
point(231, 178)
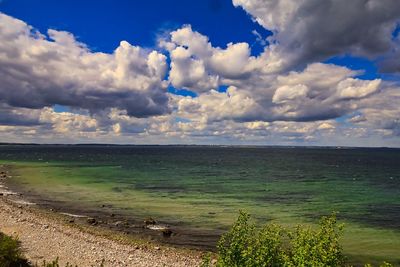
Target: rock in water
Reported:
point(121, 223)
point(149, 221)
point(91, 221)
point(166, 232)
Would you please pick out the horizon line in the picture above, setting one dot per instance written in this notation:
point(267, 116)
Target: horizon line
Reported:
point(199, 145)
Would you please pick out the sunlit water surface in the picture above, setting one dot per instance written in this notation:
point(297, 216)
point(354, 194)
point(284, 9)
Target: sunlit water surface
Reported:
point(202, 188)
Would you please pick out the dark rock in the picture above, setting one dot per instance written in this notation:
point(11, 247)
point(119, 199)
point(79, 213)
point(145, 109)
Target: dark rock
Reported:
point(91, 221)
point(149, 221)
point(112, 215)
point(167, 233)
point(71, 221)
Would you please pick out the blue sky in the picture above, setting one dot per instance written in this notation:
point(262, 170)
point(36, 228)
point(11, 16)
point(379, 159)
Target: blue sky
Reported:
point(103, 24)
point(215, 71)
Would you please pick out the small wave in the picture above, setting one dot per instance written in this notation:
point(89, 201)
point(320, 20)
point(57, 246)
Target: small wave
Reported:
point(73, 215)
point(157, 227)
point(6, 192)
point(23, 202)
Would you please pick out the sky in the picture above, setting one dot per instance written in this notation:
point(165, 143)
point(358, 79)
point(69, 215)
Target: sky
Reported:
point(240, 72)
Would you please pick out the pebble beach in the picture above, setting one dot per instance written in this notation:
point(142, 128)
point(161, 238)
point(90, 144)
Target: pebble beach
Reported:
point(44, 238)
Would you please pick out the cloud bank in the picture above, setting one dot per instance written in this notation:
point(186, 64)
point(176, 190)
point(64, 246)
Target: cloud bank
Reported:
point(312, 30)
point(287, 94)
point(40, 71)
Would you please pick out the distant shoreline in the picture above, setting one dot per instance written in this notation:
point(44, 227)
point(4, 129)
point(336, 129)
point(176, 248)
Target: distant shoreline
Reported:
point(202, 145)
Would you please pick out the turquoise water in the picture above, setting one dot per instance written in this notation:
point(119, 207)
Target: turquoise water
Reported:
point(202, 188)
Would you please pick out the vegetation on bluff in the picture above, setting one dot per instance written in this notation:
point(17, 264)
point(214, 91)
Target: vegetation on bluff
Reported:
point(273, 245)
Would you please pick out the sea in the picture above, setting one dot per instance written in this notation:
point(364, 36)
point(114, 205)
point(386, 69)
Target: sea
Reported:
point(198, 190)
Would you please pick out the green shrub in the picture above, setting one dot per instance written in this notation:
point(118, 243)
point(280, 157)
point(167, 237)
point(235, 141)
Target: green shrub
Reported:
point(317, 247)
point(266, 248)
point(233, 246)
point(244, 245)
point(206, 260)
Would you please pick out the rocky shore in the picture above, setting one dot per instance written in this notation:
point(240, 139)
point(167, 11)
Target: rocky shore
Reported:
point(46, 237)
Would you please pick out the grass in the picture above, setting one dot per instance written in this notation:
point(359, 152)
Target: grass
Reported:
point(10, 252)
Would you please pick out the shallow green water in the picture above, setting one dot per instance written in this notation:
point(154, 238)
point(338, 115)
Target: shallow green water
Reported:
point(204, 187)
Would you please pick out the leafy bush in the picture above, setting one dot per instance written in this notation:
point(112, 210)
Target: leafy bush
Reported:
point(243, 245)
point(234, 245)
point(272, 245)
point(267, 249)
point(317, 247)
